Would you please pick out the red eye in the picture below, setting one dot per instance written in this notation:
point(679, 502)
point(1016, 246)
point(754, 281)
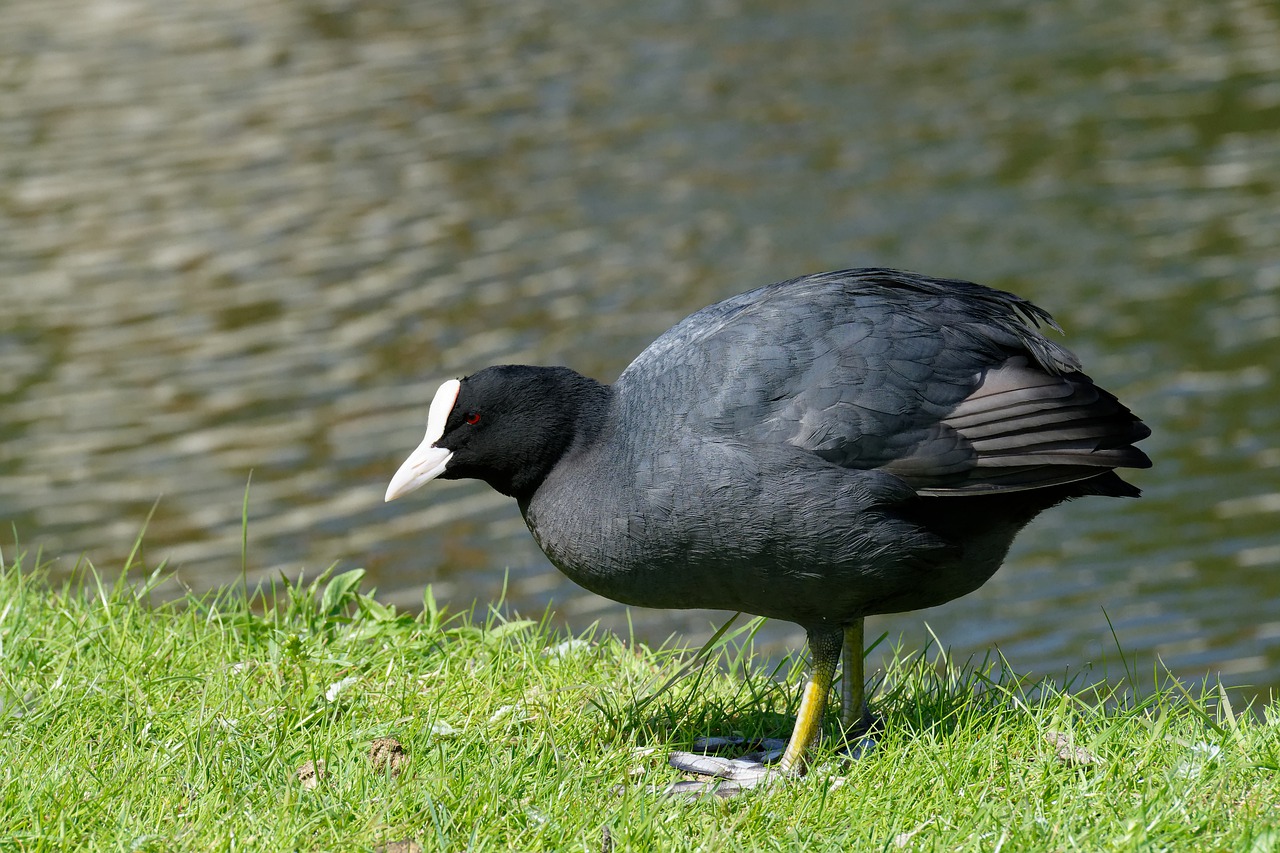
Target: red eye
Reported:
point(472, 418)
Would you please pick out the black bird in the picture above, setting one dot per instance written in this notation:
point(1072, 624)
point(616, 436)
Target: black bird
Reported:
point(818, 450)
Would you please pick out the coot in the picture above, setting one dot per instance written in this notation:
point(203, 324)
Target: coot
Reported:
point(818, 450)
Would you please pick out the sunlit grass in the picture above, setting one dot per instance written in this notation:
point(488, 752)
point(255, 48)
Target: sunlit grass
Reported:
point(141, 726)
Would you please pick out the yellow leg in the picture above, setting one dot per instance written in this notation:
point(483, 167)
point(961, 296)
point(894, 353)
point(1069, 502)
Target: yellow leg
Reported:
point(824, 648)
point(853, 698)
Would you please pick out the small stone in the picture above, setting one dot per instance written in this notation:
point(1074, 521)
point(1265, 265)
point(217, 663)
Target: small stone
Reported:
point(387, 755)
point(1068, 753)
point(408, 845)
point(312, 774)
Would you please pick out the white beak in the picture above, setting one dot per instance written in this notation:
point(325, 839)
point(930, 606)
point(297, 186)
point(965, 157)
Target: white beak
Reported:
point(428, 461)
point(423, 465)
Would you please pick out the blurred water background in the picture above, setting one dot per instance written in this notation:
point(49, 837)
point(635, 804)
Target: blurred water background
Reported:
point(254, 236)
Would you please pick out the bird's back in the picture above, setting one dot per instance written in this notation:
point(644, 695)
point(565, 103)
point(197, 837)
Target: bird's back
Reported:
point(944, 383)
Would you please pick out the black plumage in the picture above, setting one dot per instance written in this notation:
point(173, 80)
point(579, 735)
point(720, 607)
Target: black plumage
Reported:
point(819, 450)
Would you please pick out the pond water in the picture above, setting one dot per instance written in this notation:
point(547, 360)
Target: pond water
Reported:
point(246, 237)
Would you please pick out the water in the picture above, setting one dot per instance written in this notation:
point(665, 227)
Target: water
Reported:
point(253, 237)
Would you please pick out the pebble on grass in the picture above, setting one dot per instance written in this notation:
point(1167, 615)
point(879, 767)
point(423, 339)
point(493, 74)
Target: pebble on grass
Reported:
point(1069, 753)
point(311, 774)
point(406, 846)
point(387, 754)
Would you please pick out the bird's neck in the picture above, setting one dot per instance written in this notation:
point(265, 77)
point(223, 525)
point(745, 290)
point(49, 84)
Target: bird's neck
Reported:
point(578, 421)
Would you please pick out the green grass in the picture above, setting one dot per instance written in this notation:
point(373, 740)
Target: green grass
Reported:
point(129, 725)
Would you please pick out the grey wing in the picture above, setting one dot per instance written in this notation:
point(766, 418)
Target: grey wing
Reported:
point(944, 384)
point(1022, 428)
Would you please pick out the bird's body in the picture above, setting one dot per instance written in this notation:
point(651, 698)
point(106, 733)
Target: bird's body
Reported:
point(818, 450)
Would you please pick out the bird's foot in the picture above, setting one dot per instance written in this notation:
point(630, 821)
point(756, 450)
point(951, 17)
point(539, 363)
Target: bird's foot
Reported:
point(860, 738)
point(722, 776)
point(725, 777)
point(858, 746)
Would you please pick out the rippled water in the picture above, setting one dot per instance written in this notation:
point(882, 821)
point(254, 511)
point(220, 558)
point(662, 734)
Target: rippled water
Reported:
point(254, 236)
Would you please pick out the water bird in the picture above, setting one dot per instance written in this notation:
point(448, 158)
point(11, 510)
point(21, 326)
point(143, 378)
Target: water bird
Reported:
point(819, 450)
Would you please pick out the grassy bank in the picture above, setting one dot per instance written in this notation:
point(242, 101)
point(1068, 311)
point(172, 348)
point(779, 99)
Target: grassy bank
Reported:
point(128, 725)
